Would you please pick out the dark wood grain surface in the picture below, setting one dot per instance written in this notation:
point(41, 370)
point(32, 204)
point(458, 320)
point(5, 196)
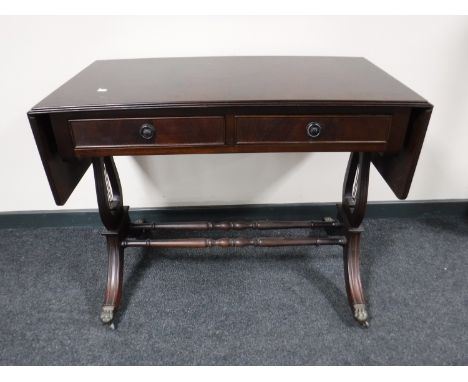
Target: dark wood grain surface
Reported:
point(219, 80)
point(333, 129)
point(171, 132)
point(229, 105)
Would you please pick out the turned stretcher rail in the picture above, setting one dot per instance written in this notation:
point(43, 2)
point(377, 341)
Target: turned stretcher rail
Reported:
point(234, 242)
point(239, 225)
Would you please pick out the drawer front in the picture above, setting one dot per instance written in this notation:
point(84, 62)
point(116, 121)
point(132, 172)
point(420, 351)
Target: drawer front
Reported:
point(152, 132)
point(323, 129)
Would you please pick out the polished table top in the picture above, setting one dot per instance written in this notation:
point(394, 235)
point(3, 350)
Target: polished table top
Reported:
point(233, 80)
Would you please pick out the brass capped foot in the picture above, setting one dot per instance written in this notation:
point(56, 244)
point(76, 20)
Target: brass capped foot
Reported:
point(360, 314)
point(107, 314)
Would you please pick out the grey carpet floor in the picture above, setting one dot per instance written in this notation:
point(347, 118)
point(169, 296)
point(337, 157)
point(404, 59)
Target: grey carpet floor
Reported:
point(282, 306)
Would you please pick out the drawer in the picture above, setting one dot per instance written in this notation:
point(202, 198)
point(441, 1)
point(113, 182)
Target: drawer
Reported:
point(152, 132)
point(319, 129)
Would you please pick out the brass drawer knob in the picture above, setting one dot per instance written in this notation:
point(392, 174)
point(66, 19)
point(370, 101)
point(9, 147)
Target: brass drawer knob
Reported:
point(147, 131)
point(313, 129)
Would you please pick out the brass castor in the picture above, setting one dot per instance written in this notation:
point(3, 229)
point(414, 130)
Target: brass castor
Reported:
point(107, 315)
point(360, 314)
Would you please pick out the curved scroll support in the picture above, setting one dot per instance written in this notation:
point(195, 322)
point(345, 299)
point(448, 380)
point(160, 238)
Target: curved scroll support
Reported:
point(352, 211)
point(115, 266)
point(109, 192)
point(114, 216)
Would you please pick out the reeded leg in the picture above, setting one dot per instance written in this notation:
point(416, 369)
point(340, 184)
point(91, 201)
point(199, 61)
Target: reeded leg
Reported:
point(114, 278)
point(352, 272)
point(352, 212)
point(115, 218)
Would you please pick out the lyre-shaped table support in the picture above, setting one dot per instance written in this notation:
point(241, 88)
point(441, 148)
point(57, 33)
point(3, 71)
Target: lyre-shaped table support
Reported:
point(121, 233)
point(115, 218)
point(351, 213)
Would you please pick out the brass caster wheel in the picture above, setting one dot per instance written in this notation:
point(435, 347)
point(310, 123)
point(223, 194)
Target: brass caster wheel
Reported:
point(107, 315)
point(360, 314)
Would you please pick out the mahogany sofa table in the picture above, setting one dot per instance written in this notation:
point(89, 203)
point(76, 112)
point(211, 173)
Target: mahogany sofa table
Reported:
point(230, 105)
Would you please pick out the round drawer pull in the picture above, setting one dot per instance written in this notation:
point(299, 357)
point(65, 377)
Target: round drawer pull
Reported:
point(313, 129)
point(147, 131)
